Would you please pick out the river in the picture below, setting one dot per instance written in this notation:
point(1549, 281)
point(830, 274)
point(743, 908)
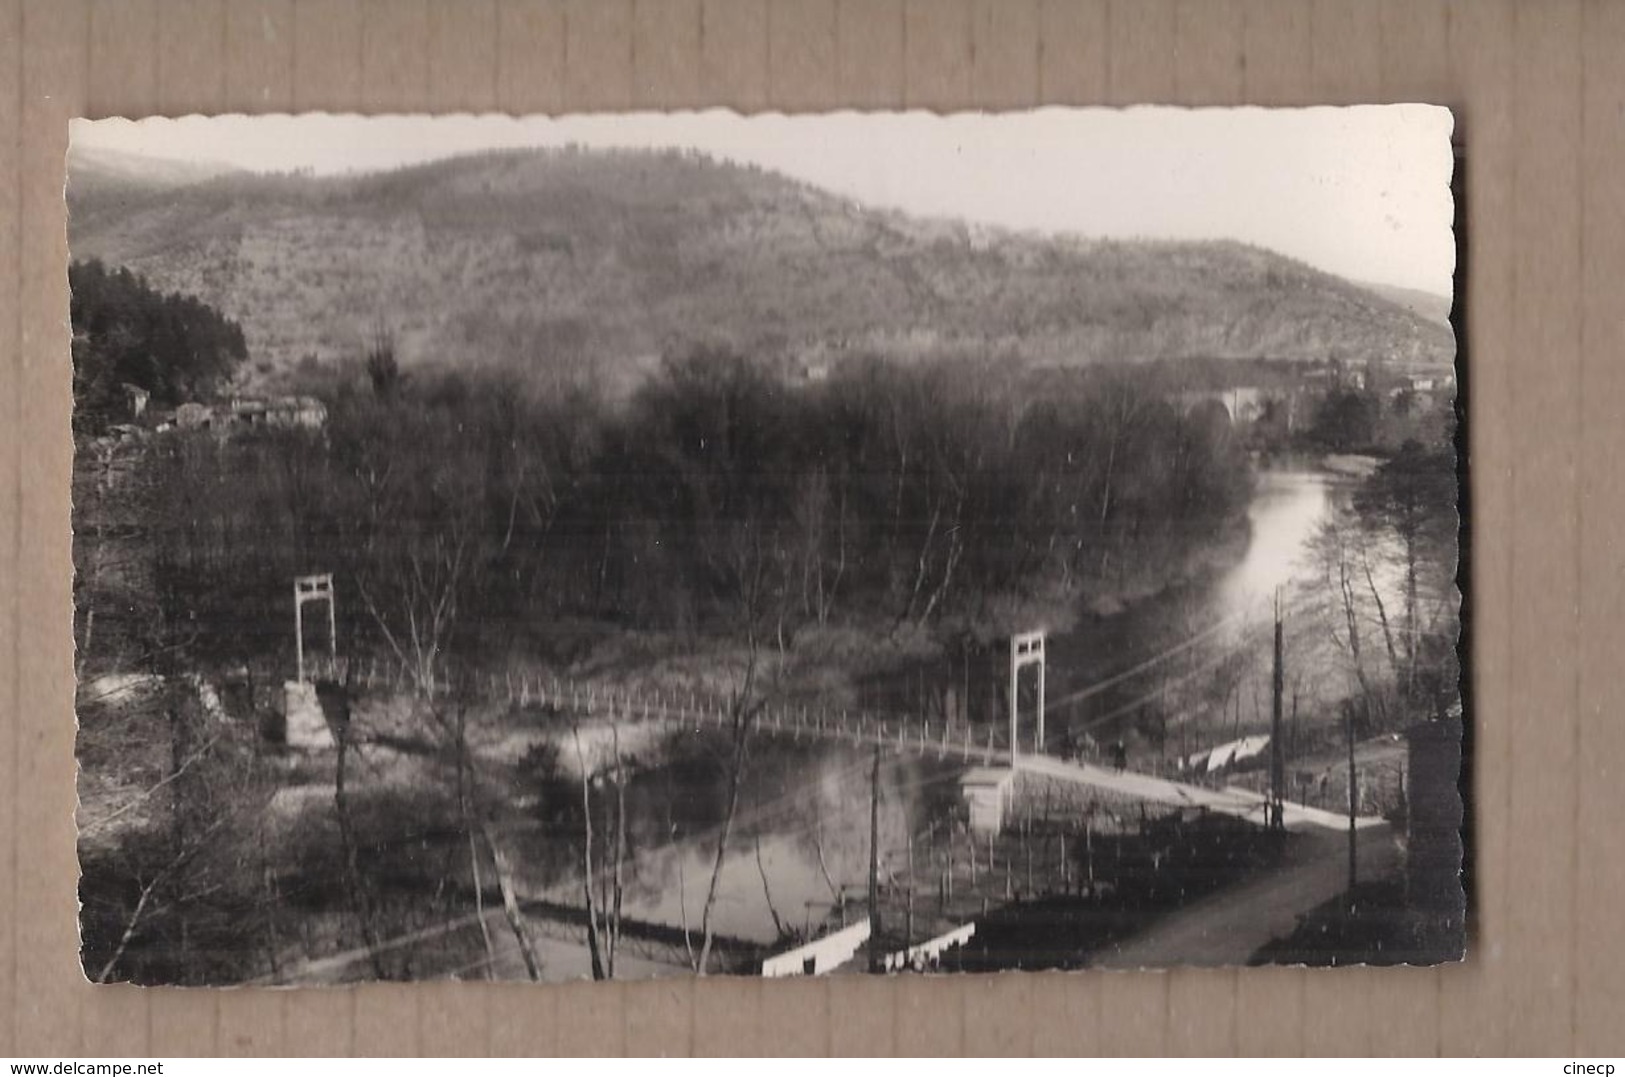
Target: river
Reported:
point(800, 838)
point(1197, 622)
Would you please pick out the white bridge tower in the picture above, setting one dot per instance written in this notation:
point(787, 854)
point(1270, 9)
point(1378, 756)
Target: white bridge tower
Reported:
point(1026, 649)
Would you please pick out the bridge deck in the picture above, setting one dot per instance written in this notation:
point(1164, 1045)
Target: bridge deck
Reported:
point(1241, 803)
point(985, 746)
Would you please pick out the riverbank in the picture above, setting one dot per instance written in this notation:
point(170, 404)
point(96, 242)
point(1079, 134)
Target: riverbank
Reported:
point(953, 668)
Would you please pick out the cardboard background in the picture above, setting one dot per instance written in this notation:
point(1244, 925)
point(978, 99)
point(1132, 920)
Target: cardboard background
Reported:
point(1539, 89)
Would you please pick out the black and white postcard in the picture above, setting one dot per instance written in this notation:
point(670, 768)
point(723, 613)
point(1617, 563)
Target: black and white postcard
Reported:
point(675, 544)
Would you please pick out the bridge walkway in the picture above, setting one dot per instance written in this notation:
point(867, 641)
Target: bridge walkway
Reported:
point(1240, 803)
point(901, 734)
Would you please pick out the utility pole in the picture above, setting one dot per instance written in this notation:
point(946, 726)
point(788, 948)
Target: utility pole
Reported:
point(1353, 799)
point(1277, 748)
point(908, 923)
point(874, 864)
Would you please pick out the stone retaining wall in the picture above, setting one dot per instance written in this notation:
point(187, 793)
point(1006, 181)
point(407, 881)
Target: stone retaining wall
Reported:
point(1064, 801)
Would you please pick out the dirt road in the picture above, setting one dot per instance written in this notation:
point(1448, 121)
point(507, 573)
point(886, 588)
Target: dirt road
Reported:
point(1230, 926)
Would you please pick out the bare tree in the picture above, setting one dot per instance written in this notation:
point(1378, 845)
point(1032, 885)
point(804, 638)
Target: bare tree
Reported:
point(1411, 500)
point(418, 613)
point(603, 897)
point(510, 903)
point(361, 903)
point(1337, 547)
point(165, 857)
point(743, 708)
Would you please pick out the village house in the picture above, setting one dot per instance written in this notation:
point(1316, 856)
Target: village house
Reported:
point(284, 411)
point(1337, 374)
point(242, 413)
point(135, 400)
point(193, 416)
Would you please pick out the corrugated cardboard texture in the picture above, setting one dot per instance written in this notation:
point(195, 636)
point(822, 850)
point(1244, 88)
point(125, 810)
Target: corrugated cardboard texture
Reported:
point(1539, 91)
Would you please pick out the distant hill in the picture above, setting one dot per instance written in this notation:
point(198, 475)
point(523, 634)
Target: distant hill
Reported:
point(558, 259)
point(89, 167)
point(1430, 305)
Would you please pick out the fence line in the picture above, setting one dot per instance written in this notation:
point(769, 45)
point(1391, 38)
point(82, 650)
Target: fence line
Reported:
point(903, 734)
point(687, 707)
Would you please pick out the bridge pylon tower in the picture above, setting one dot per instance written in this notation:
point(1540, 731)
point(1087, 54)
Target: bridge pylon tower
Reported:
point(315, 588)
point(1026, 649)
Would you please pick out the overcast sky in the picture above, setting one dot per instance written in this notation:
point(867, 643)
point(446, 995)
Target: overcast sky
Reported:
point(1363, 192)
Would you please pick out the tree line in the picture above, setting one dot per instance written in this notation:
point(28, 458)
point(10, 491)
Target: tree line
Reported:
point(718, 498)
point(1387, 558)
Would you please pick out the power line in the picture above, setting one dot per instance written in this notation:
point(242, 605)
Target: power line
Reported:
point(1247, 641)
point(1118, 678)
point(1178, 648)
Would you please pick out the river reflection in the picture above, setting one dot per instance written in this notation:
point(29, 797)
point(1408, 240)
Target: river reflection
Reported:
point(1287, 509)
point(799, 842)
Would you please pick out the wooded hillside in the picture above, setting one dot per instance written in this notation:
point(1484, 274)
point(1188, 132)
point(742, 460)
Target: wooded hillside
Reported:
point(563, 261)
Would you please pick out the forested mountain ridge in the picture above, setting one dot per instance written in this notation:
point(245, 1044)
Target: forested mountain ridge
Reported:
point(559, 259)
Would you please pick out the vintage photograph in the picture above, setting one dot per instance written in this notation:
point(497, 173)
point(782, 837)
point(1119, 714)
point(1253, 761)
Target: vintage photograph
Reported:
point(693, 544)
